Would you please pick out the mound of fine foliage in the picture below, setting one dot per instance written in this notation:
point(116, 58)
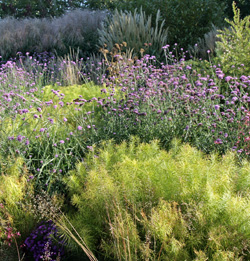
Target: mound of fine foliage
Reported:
point(140, 202)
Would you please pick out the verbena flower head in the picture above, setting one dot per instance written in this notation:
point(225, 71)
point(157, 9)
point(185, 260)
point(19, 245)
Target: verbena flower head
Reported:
point(41, 239)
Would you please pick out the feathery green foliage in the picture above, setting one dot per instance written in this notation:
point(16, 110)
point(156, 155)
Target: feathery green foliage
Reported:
point(143, 202)
point(13, 189)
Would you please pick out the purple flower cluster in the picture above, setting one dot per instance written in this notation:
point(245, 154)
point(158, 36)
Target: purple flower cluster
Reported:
point(44, 236)
point(167, 101)
point(152, 102)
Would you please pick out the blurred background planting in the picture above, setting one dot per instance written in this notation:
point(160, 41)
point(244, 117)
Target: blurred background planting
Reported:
point(75, 29)
point(56, 25)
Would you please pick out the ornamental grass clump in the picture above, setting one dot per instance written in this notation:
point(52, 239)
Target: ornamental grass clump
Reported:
point(206, 45)
point(74, 29)
point(136, 201)
point(135, 29)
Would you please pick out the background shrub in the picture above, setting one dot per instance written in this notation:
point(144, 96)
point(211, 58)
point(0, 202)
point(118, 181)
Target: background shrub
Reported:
point(233, 47)
point(186, 20)
point(35, 8)
point(243, 5)
point(189, 20)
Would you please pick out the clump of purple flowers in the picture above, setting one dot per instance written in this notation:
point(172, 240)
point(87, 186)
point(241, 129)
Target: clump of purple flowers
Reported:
point(44, 237)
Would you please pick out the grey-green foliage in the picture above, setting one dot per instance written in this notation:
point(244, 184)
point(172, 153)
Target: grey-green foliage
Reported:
point(135, 29)
point(75, 29)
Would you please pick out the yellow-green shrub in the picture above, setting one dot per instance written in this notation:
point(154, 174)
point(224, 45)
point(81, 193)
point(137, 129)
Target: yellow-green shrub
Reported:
point(233, 47)
point(142, 202)
point(88, 91)
point(14, 186)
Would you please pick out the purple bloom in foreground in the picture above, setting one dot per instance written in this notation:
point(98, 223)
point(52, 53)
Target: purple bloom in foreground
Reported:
point(42, 130)
point(228, 78)
point(218, 141)
point(79, 127)
point(217, 107)
point(90, 148)
point(166, 46)
point(61, 141)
